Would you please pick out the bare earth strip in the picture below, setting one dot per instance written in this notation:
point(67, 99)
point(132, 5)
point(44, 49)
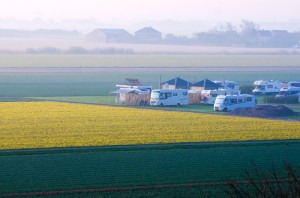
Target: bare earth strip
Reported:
point(141, 69)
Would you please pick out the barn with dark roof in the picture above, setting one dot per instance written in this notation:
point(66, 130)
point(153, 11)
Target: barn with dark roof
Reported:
point(109, 36)
point(205, 85)
point(175, 83)
point(148, 35)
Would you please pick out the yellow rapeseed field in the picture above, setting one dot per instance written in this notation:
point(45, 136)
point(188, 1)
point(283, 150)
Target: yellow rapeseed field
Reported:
point(53, 124)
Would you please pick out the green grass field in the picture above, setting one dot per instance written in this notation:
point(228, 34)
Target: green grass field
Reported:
point(101, 84)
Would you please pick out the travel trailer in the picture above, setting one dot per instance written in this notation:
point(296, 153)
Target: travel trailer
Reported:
point(293, 84)
point(165, 97)
point(288, 92)
point(132, 95)
point(209, 96)
point(231, 102)
point(266, 87)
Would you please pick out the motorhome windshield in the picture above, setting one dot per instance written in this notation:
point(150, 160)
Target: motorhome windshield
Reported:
point(219, 101)
point(281, 93)
point(155, 94)
point(262, 87)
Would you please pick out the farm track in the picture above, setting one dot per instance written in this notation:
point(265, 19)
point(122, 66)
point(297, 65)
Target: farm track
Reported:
point(143, 69)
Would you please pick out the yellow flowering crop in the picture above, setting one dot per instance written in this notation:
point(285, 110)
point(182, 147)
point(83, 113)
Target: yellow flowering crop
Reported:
point(52, 124)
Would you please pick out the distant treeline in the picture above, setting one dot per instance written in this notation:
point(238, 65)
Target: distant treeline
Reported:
point(79, 50)
point(247, 35)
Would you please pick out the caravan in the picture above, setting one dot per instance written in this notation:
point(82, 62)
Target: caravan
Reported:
point(288, 92)
point(209, 96)
point(266, 87)
point(162, 97)
point(229, 103)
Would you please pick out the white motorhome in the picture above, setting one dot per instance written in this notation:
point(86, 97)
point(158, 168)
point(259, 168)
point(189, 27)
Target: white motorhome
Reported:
point(231, 102)
point(266, 87)
point(293, 84)
point(165, 97)
point(209, 96)
point(288, 92)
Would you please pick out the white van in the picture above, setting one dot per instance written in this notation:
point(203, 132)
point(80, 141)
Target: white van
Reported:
point(165, 97)
point(231, 102)
point(288, 92)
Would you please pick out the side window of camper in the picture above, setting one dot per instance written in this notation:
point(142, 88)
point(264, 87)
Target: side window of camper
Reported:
point(174, 94)
point(240, 100)
point(295, 84)
point(169, 94)
point(184, 93)
point(233, 100)
point(270, 86)
point(225, 101)
point(249, 99)
point(163, 96)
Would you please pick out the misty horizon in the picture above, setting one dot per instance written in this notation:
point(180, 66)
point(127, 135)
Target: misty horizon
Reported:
point(180, 17)
point(179, 28)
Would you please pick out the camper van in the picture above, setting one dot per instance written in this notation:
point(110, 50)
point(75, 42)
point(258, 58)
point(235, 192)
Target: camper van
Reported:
point(266, 87)
point(293, 84)
point(231, 102)
point(165, 97)
point(288, 92)
point(209, 96)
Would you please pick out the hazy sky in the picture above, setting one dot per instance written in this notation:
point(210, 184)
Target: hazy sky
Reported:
point(131, 11)
point(182, 17)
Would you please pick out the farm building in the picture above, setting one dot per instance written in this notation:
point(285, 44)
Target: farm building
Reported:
point(175, 83)
point(148, 35)
point(109, 36)
point(205, 85)
point(133, 92)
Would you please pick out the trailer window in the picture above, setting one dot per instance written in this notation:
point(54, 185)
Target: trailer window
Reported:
point(163, 96)
point(249, 99)
point(270, 86)
point(174, 94)
point(233, 100)
point(295, 84)
point(184, 93)
point(240, 100)
point(169, 94)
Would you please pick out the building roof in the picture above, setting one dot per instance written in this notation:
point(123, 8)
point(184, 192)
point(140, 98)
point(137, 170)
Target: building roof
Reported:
point(133, 82)
point(147, 30)
point(178, 81)
point(207, 84)
point(112, 31)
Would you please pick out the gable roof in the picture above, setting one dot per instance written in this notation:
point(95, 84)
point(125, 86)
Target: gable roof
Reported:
point(178, 81)
point(112, 31)
point(133, 82)
point(207, 84)
point(147, 30)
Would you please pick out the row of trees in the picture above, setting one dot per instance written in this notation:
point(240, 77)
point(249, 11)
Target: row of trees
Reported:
point(247, 35)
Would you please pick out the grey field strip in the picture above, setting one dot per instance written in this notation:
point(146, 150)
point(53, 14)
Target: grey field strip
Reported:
point(141, 69)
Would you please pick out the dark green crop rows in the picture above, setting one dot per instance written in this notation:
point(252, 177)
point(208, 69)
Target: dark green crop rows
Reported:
point(132, 166)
